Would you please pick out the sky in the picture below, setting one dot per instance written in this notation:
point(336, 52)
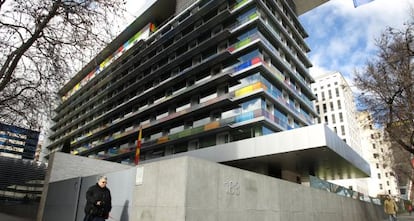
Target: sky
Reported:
point(341, 37)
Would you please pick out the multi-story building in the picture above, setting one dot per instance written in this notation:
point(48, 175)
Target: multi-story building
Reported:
point(336, 108)
point(18, 142)
point(207, 77)
point(21, 178)
point(379, 155)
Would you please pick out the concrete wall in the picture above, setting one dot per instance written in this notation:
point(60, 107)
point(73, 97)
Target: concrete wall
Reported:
point(193, 189)
point(64, 166)
point(18, 212)
point(188, 189)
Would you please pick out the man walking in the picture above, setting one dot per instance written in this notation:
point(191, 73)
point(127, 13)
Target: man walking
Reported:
point(98, 201)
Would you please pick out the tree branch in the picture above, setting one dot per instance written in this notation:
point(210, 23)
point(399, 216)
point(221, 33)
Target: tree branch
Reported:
point(12, 60)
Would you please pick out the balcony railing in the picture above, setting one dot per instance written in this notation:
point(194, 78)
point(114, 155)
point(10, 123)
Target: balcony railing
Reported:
point(112, 152)
point(282, 122)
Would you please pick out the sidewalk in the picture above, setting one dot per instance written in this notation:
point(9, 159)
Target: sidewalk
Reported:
point(404, 217)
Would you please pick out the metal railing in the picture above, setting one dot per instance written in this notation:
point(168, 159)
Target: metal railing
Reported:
point(340, 190)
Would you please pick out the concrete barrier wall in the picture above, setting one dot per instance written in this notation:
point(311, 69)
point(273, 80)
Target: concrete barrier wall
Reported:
point(194, 189)
point(63, 166)
point(189, 189)
point(18, 212)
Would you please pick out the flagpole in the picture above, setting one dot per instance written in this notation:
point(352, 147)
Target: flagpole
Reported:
point(138, 148)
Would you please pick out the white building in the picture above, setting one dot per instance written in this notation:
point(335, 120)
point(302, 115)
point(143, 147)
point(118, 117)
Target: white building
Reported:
point(336, 108)
point(378, 154)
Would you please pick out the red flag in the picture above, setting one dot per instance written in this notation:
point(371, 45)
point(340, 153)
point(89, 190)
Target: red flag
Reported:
point(138, 149)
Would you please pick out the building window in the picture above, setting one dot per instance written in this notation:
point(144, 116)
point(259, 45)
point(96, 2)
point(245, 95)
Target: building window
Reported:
point(285, 96)
point(379, 176)
point(177, 129)
point(339, 105)
point(215, 116)
point(297, 106)
point(333, 119)
point(193, 144)
point(341, 118)
point(331, 105)
point(343, 130)
point(223, 138)
point(180, 149)
point(337, 92)
point(290, 121)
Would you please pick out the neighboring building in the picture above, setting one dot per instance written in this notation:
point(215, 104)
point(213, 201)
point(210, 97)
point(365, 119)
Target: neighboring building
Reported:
point(17, 142)
point(337, 109)
point(21, 177)
point(378, 153)
point(207, 78)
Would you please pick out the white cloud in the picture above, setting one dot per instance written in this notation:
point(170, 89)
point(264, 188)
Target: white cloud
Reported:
point(318, 70)
point(134, 8)
point(342, 37)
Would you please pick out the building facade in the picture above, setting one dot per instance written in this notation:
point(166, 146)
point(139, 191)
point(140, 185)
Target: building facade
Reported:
point(21, 176)
point(17, 142)
point(337, 109)
point(378, 153)
point(209, 73)
point(217, 79)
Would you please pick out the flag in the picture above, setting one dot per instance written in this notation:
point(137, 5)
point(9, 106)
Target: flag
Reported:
point(361, 2)
point(138, 149)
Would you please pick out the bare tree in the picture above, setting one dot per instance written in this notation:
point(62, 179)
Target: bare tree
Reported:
point(387, 85)
point(42, 42)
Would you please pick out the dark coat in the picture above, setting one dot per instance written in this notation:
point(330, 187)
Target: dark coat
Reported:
point(94, 194)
